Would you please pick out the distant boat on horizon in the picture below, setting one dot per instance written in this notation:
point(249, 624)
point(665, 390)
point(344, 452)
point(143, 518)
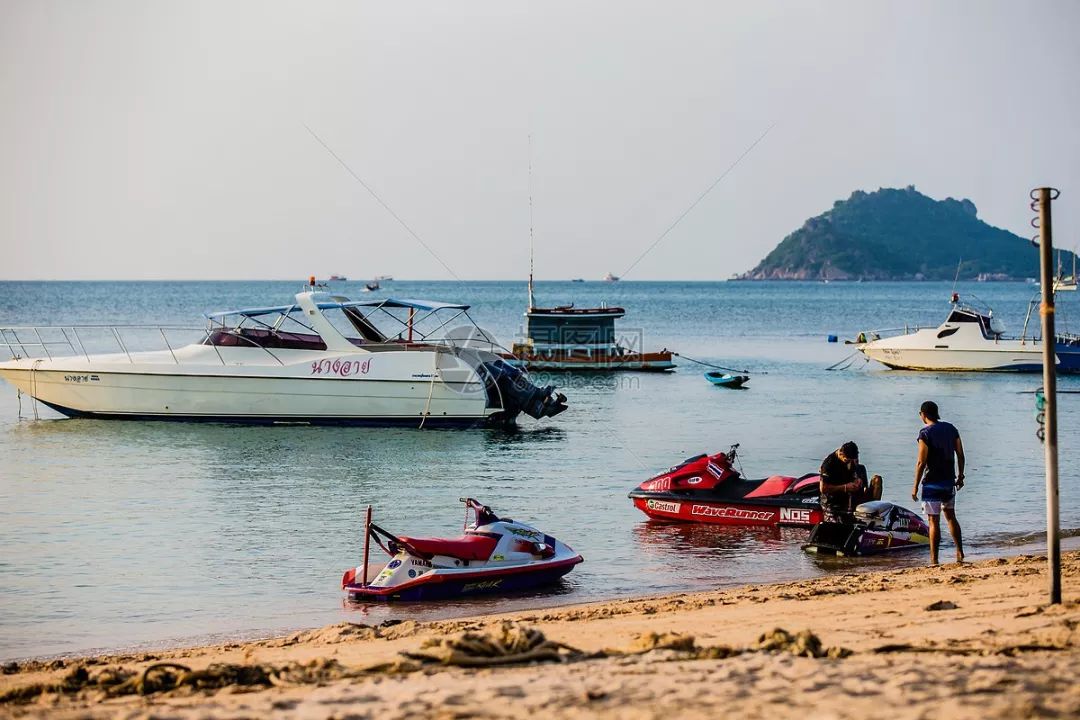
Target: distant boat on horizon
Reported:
point(578, 280)
point(384, 278)
point(338, 278)
point(611, 278)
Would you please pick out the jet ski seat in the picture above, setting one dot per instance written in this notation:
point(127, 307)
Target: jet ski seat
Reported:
point(466, 547)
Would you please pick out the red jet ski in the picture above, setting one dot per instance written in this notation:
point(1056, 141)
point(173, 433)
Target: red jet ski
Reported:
point(708, 489)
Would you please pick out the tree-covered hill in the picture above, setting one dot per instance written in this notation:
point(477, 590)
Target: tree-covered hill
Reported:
point(900, 235)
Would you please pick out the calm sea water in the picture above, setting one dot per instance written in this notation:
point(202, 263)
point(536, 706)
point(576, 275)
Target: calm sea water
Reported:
point(121, 534)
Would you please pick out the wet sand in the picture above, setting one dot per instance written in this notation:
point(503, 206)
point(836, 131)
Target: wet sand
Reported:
point(970, 641)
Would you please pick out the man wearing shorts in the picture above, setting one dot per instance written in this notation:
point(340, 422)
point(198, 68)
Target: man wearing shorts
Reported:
point(939, 443)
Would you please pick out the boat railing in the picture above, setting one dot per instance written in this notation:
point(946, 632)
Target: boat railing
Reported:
point(54, 341)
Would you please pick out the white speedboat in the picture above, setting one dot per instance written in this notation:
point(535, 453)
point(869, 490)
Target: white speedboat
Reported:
point(324, 359)
point(970, 339)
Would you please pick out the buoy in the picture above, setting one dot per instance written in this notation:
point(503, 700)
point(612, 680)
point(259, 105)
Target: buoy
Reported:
point(833, 338)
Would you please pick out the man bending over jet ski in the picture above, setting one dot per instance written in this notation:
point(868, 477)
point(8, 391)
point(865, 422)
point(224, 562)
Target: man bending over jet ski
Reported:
point(843, 484)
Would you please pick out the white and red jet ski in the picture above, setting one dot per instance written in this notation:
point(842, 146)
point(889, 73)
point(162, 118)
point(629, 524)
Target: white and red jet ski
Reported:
point(708, 489)
point(494, 555)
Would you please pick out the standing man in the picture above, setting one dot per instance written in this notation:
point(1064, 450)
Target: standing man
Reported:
point(939, 442)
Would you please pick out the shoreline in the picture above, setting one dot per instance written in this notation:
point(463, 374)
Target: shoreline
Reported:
point(983, 621)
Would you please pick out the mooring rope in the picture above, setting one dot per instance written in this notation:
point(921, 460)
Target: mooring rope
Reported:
point(718, 367)
point(850, 360)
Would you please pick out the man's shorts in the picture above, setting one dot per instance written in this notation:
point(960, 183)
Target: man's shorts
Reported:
point(934, 507)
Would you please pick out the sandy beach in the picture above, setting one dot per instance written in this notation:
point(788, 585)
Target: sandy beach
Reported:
point(970, 641)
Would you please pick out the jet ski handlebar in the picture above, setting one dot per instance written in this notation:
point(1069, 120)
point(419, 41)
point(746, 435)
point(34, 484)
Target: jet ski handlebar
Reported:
point(394, 544)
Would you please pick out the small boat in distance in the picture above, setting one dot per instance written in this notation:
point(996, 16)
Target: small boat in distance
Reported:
point(372, 286)
point(494, 555)
point(578, 280)
point(723, 379)
point(970, 339)
point(337, 278)
point(384, 278)
point(611, 278)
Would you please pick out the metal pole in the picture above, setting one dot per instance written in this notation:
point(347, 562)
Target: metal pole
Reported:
point(1046, 258)
point(367, 546)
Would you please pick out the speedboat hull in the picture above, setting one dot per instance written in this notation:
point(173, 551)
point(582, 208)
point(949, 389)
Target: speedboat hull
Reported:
point(148, 390)
point(970, 340)
point(258, 372)
point(1007, 356)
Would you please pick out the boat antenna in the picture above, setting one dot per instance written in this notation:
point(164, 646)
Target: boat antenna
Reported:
point(956, 277)
point(530, 227)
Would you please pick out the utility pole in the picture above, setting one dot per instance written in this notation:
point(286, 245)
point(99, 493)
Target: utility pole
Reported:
point(1041, 198)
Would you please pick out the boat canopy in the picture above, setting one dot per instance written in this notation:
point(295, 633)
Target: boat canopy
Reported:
point(424, 305)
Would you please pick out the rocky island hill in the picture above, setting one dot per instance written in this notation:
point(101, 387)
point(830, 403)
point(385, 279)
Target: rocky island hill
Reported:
point(894, 234)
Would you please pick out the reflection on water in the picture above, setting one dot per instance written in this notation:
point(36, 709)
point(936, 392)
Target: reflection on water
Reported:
point(160, 531)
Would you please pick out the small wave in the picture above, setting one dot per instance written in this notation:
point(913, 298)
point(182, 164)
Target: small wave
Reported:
point(1026, 538)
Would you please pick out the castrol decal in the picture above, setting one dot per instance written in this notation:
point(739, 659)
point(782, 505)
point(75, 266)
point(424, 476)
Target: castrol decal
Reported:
point(661, 506)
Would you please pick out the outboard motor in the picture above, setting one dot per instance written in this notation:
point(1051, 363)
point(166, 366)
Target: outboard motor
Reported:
point(517, 393)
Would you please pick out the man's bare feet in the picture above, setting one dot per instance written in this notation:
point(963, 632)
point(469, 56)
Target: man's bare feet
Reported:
point(959, 557)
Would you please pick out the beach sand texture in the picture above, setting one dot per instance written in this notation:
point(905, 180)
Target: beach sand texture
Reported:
point(970, 641)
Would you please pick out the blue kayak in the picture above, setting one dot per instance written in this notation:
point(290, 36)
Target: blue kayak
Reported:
point(726, 380)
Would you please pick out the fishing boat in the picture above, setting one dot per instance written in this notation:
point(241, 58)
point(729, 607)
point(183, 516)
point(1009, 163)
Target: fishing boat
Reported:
point(322, 359)
point(570, 338)
point(494, 555)
point(723, 379)
point(384, 278)
point(372, 286)
point(611, 278)
point(564, 337)
point(337, 278)
point(970, 339)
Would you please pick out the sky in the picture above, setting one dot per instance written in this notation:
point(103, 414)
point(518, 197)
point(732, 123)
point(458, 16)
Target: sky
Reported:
point(276, 140)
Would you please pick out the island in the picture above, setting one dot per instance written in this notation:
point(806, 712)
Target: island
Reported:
point(900, 234)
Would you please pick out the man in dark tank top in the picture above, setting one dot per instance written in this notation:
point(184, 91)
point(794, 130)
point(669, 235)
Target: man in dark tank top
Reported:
point(940, 470)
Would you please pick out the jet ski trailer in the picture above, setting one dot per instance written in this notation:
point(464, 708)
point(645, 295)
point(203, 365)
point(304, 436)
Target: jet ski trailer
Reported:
point(494, 555)
point(874, 528)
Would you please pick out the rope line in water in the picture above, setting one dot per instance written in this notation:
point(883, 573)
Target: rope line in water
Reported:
point(850, 360)
point(718, 367)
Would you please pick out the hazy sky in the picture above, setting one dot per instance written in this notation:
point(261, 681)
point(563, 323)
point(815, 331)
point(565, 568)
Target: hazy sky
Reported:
point(168, 140)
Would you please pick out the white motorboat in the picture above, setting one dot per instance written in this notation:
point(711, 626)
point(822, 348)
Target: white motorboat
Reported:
point(970, 339)
point(324, 359)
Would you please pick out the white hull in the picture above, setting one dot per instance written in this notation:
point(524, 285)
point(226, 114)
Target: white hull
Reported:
point(406, 388)
point(264, 370)
point(1000, 359)
point(954, 347)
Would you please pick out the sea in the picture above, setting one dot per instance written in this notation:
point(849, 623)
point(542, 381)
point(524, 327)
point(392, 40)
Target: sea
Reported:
point(124, 535)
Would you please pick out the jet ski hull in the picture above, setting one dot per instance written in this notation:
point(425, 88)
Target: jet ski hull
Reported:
point(876, 527)
point(798, 511)
point(454, 584)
